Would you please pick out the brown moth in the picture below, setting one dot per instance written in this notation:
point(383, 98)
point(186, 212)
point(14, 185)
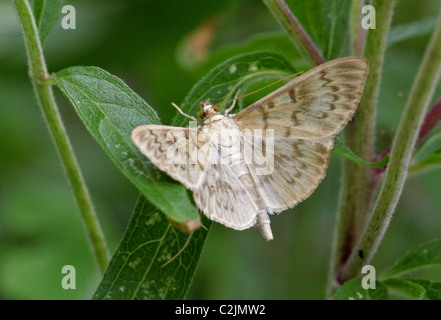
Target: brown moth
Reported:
point(225, 163)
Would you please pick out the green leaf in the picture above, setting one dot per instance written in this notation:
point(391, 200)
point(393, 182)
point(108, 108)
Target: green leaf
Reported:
point(418, 289)
point(343, 150)
point(223, 82)
point(352, 290)
point(46, 13)
point(135, 272)
point(336, 26)
point(410, 30)
point(425, 255)
point(428, 153)
point(432, 161)
point(432, 289)
point(430, 145)
point(110, 110)
point(326, 22)
point(311, 17)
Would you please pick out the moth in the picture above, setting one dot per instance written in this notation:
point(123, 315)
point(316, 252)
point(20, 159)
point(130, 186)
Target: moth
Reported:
point(223, 160)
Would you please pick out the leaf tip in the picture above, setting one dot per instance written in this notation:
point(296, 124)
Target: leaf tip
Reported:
point(187, 226)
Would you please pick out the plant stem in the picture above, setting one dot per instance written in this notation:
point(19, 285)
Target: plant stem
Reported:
point(357, 33)
point(357, 183)
point(402, 147)
point(296, 32)
point(39, 78)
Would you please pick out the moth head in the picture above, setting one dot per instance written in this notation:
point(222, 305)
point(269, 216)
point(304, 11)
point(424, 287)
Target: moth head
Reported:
point(207, 110)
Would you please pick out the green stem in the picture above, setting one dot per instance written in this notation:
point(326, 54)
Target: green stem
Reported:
point(402, 147)
point(358, 184)
point(40, 80)
point(296, 32)
point(357, 33)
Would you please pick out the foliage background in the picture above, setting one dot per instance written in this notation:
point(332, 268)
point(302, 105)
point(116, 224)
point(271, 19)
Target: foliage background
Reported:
point(40, 229)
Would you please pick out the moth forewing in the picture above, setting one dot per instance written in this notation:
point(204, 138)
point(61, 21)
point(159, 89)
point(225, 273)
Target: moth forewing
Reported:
point(168, 148)
point(316, 104)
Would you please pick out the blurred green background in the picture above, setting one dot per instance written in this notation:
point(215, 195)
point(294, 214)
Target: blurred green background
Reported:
point(142, 43)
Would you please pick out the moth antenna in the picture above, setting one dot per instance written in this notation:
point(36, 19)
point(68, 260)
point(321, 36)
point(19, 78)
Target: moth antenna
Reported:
point(184, 114)
point(180, 251)
point(234, 103)
point(269, 85)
